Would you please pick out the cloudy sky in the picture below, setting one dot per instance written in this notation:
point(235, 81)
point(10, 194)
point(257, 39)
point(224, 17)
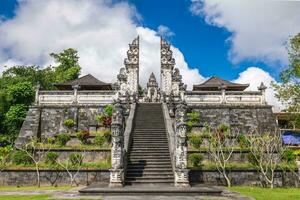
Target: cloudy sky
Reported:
point(239, 40)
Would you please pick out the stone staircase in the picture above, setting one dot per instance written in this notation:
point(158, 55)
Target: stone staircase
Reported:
point(149, 158)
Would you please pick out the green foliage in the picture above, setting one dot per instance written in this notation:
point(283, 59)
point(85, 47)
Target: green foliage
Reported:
point(4, 141)
point(14, 119)
point(223, 128)
point(21, 93)
point(107, 135)
point(195, 159)
point(68, 67)
point(253, 160)
point(195, 140)
point(289, 156)
point(69, 123)
point(76, 159)
point(288, 91)
point(99, 140)
point(83, 136)
point(21, 158)
point(108, 110)
point(4, 156)
point(51, 140)
point(193, 119)
point(63, 139)
point(242, 140)
point(51, 158)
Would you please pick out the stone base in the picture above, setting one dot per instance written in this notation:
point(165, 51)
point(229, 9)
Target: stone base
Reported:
point(116, 184)
point(182, 184)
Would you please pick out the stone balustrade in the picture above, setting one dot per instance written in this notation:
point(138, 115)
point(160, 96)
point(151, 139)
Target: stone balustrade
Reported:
point(87, 97)
point(228, 97)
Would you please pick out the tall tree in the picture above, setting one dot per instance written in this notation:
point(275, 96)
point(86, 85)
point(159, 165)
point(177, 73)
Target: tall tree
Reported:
point(288, 92)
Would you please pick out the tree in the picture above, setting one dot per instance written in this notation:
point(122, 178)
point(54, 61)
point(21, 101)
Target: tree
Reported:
point(14, 119)
point(68, 67)
point(266, 150)
point(37, 152)
point(21, 93)
point(221, 147)
point(288, 92)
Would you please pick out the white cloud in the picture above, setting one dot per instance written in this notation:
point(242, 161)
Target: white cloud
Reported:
point(254, 76)
point(99, 30)
point(260, 29)
point(164, 31)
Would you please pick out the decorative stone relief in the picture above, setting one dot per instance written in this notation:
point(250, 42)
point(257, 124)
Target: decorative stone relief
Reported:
point(132, 66)
point(117, 150)
point(152, 91)
point(181, 171)
point(167, 66)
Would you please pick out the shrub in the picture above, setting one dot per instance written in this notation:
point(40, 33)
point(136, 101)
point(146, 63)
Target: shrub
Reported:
point(252, 160)
point(195, 159)
point(51, 158)
point(223, 128)
point(289, 156)
point(108, 110)
point(195, 141)
point(76, 159)
point(69, 123)
point(21, 158)
point(83, 136)
point(62, 139)
point(242, 140)
point(99, 140)
point(107, 135)
point(4, 141)
point(51, 140)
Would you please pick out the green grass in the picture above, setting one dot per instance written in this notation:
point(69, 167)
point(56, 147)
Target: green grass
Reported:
point(33, 188)
point(24, 197)
point(267, 193)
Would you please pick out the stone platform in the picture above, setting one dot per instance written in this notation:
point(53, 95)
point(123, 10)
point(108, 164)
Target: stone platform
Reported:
point(162, 190)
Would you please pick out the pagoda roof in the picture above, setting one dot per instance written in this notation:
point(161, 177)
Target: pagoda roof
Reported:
point(87, 82)
point(214, 84)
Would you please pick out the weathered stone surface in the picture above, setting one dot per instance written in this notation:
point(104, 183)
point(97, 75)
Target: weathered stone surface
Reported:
point(243, 118)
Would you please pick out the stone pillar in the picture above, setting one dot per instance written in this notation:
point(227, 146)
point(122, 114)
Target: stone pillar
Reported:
point(117, 150)
point(132, 66)
point(262, 88)
point(181, 171)
point(75, 88)
point(223, 91)
point(167, 66)
point(37, 90)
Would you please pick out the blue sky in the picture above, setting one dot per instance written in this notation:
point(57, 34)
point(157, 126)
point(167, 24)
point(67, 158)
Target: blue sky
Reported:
point(204, 46)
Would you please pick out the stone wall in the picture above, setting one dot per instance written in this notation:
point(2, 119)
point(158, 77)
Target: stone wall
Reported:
point(52, 177)
point(242, 177)
point(47, 121)
point(86, 177)
point(243, 118)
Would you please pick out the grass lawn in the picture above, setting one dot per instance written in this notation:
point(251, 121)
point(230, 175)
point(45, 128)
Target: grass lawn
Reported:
point(271, 194)
point(24, 197)
point(34, 188)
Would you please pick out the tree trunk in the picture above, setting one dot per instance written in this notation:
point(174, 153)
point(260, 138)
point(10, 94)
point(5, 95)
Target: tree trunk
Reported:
point(38, 175)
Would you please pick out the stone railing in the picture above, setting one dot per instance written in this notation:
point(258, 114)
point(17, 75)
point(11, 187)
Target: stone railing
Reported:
point(87, 97)
point(228, 97)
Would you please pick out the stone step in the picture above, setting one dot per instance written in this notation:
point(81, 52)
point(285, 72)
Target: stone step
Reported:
point(146, 174)
point(153, 181)
point(150, 170)
point(165, 152)
point(149, 166)
point(149, 156)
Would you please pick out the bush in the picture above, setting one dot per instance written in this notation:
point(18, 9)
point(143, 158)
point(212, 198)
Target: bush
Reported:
point(63, 139)
point(242, 140)
point(107, 135)
point(21, 158)
point(223, 128)
point(252, 160)
point(83, 136)
point(69, 123)
point(195, 141)
point(289, 156)
point(76, 159)
point(99, 140)
point(51, 158)
point(4, 141)
point(51, 140)
point(195, 159)
point(108, 110)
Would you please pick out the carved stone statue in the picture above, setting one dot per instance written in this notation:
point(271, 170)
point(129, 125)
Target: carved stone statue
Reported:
point(152, 92)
